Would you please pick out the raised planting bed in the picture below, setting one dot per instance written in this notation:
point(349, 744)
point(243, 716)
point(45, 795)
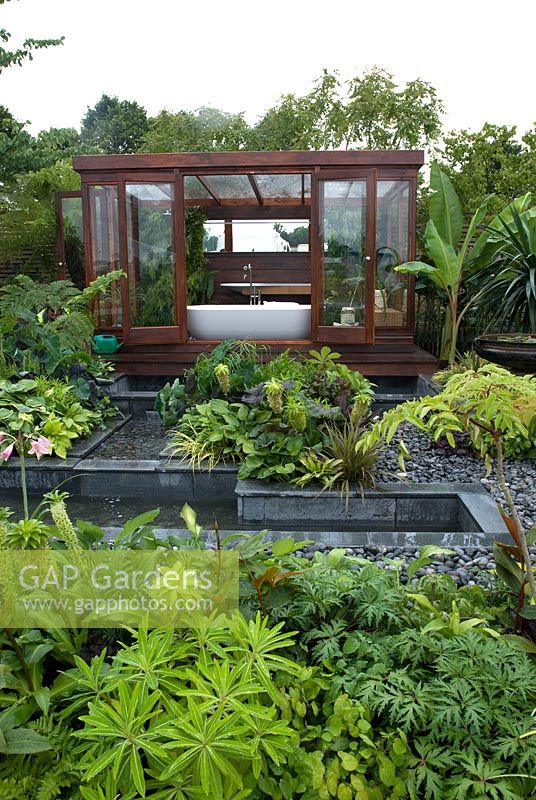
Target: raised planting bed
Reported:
point(395, 514)
point(136, 394)
point(45, 475)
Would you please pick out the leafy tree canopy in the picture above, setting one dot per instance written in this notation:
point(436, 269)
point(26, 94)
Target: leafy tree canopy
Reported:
point(204, 129)
point(114, 126)
point(368, 111)
point(493, 160)
point(15, 146)
point(15, 142)
point(9, 58)
point(379, 115)
point(20, 152)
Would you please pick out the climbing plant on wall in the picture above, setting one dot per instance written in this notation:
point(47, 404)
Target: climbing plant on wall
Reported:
point(199, 282)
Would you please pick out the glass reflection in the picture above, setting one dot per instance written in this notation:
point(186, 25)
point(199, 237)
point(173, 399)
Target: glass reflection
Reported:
point(73, 239)
point(105, 251)
point(150, 254)
point(344, 228)
point(392, 230)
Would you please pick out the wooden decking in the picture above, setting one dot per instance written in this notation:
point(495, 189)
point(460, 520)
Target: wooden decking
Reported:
point(390, 357)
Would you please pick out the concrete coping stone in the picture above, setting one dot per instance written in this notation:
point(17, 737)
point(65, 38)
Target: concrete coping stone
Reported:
point(334, 538)
point(256, 488)
point(115, 465)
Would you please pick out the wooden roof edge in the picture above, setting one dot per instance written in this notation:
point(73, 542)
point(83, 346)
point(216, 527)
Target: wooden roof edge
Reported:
point(250, 159)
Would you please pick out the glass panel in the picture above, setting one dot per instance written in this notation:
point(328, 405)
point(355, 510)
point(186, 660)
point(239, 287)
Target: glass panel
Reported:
point(344, 227)
point(228, 187)
point(73, 239)
point(194, 189)
point(214, 238)
point(282, 186)
point(105, 251)
point(270, 236)
point(392, 217)
point(150, 254)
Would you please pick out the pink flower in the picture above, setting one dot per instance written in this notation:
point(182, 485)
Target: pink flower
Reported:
point(7, 452)
point(40, 447)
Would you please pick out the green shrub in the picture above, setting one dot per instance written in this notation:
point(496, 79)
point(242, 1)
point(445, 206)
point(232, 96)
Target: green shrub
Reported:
point(47, 328)
point(255, 435)
point(456, 695)
point(346, 461)
point(473, 402)
point(468, 362)
point(50, 407)
point(170, 402)
point(389, 689)
point(196, 714)
point(233, 368)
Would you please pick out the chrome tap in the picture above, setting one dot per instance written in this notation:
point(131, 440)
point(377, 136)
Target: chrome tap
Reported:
point(248, 270)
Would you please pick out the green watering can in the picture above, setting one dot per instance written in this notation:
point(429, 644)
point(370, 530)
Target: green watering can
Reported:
point(106, 344)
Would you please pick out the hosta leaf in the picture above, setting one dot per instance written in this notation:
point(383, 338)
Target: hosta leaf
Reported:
point(20, 741)
point(528, 611)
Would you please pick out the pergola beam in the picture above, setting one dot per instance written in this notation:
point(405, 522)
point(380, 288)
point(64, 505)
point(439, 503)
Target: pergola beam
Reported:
point(209, 188)
point(255, 187)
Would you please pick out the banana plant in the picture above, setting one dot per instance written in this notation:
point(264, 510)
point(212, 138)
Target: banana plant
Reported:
point(450, 257)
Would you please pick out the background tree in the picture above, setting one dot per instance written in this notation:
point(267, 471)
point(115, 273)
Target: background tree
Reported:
point(204, 129)
point(295, 237)
point(379, 115)
point(55, 144)
point(493, 160)
point(315, 121)
point(15, 146)
point(15, 142)
point(21, 152)
point(114, 126)
point(9, 58)
point(368, 111)
point(281, 128)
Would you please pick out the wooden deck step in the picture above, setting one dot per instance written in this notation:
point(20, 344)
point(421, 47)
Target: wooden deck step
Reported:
point(379, 359)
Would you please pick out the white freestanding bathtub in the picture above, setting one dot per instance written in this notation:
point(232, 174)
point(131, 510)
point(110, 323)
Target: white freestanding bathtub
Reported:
point(268, 321)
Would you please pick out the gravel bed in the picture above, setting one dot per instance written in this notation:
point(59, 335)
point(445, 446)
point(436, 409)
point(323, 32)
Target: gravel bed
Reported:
point(467, 566)
point(430, 463)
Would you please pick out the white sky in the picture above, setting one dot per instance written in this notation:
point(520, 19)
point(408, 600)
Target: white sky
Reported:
point(240, 55)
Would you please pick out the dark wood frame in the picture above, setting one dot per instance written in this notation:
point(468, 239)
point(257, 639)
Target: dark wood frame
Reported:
point(324, 333)
point(172, 168)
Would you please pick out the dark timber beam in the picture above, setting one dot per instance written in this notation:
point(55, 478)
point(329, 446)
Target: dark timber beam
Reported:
point(255, 187)
point(209, 188)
